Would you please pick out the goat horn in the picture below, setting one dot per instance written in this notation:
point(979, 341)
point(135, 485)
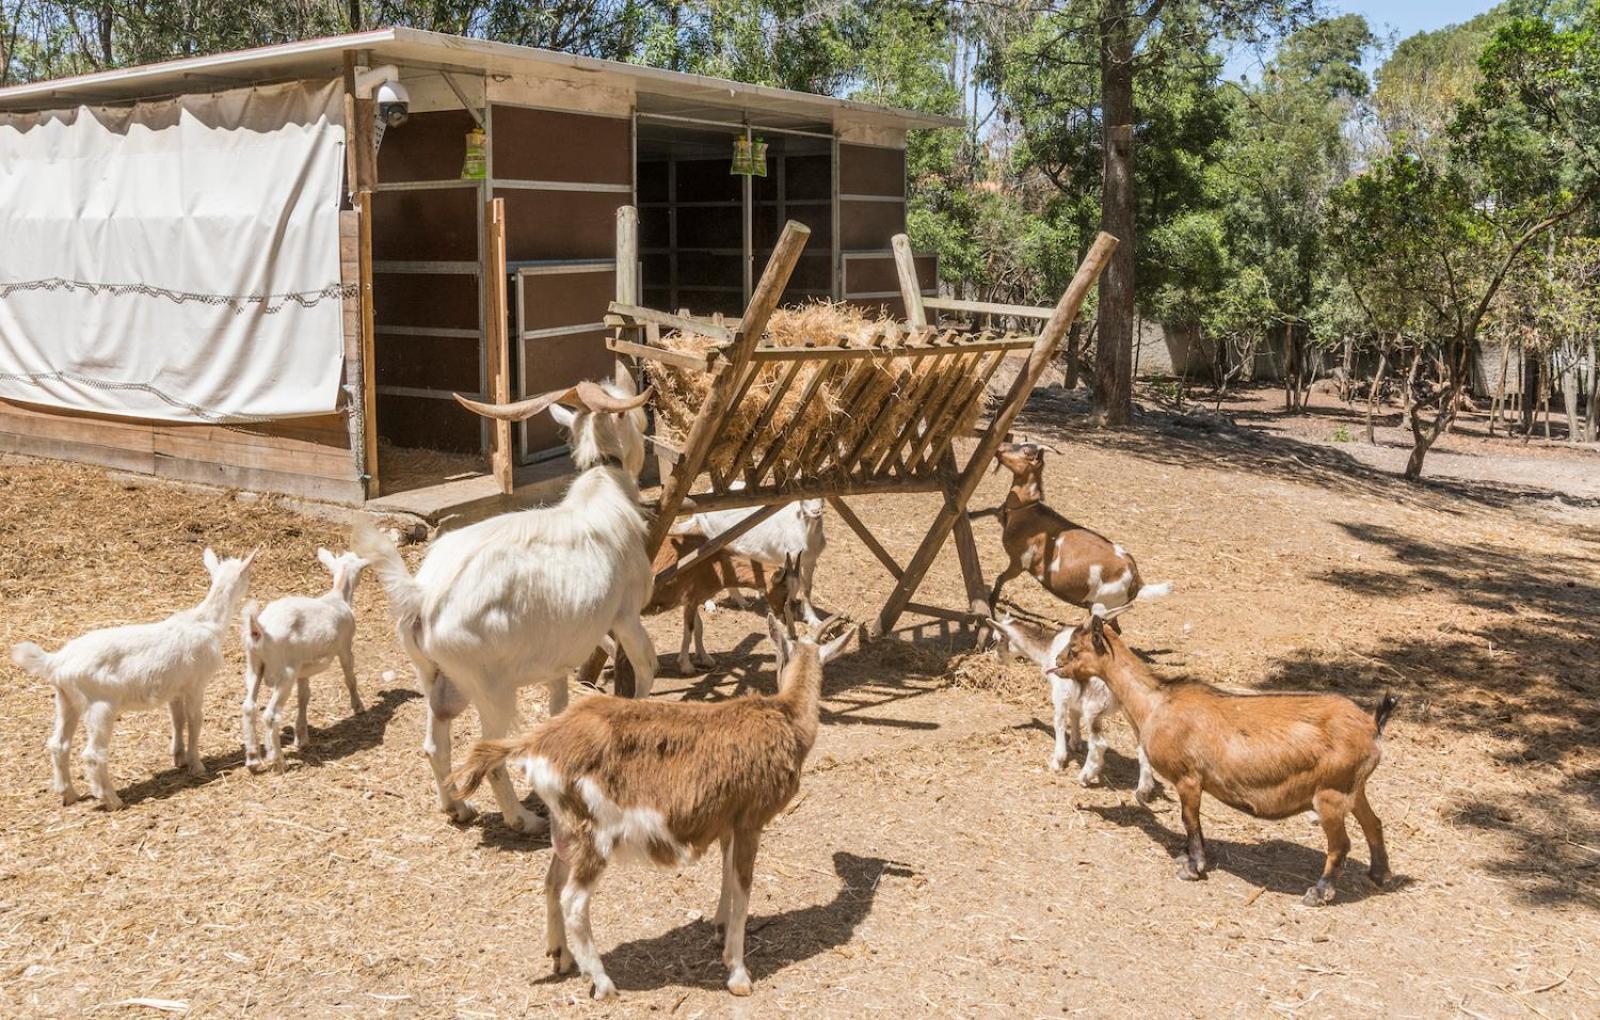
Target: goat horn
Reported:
point(522, 410)
point(596, 398)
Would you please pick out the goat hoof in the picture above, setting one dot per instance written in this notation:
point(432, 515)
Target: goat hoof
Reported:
point(1088, 779)
point(197, 769)
point(1380, 878)
point(1058, 763)
point(112, 802)
point(603, 988)
point(1317, 896)
point(356, 708)
point(561, 961)
point(69, 796)
point(1188, 873)
point(461, 812)
point(527, 823)
point(739, 982)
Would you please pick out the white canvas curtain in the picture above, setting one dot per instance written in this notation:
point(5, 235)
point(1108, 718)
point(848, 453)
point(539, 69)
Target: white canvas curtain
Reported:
point(176, 260)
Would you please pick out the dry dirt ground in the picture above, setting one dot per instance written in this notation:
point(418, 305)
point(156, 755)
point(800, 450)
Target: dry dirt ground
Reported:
point(932, 864)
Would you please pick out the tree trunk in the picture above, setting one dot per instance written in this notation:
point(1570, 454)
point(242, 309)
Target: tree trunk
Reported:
point(1569, 388)
point(1113, 364)
point(1530, 399)
point(1499, 403)
point(1074, 342)
point(1456, 371)
point(1372, 394)
point(355, 15)
point(1591, 417)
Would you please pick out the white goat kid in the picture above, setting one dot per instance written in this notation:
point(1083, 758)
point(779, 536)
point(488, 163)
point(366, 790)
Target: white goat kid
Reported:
point(105, 673)
point(526, 597)
point(795, 530)
point(289, 642)
point(1091, 701)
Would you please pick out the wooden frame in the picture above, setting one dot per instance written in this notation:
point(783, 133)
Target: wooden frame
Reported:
point(953, 372)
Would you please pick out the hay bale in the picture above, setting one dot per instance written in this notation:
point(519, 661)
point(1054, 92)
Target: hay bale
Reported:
point(850, 398)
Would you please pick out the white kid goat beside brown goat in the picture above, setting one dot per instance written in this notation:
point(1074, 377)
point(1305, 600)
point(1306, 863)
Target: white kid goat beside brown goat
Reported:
point(1269, 755)
point(659, 782)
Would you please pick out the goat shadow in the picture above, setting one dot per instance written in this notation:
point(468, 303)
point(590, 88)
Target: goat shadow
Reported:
point(349, 735)
point(690, 955)
point(1277, 865)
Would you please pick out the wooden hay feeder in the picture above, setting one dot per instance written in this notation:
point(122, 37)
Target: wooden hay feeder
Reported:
point(896, 401)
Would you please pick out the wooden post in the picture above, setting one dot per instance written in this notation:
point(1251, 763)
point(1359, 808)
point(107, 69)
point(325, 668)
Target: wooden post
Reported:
point(962, 487)
point(628, 256)
point(499, 347)
point(361, 169)
point(905, 265)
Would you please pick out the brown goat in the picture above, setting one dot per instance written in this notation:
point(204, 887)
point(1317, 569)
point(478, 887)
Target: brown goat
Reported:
point(660, 781)
point(706, 580)
point(1268, 755)
point(1076, 565)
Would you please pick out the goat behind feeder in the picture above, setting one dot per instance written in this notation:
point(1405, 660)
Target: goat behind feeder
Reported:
point(706, 580)
point(525, 597)
point(289, 642)
point(1071, 698)
point(660, 781)
point(794, 530)
point(1268, 755)
point(1073, 563)
point(104, 673)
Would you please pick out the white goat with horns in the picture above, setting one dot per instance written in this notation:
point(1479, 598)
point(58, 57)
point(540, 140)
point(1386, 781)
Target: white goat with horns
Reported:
point(525, 597)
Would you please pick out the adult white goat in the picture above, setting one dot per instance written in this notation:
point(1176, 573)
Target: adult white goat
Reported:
point(525, 597)
point(289, 642)
point(794, 531)
point(104, 673)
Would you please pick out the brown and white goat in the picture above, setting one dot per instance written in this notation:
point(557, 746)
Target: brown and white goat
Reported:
point(707, 579)
point(1074, 564)
point(659, 782)
point(1268, 755)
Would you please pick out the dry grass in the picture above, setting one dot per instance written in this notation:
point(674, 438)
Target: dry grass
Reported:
point(932, 865)
point(843, 403)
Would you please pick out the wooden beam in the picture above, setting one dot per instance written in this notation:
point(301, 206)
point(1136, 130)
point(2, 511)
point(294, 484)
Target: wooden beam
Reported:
point(677, 359)
point(868, 539)
point(628, 255)
point(818, 490)
point(640, 315)
point(497, 318)
point(361, 169)
point(905, 264)
point(766, 355)
point(958, 495)
point(989, 308)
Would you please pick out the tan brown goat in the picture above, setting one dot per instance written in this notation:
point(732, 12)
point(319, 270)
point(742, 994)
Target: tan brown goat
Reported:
point(1268, 755)
point(1074, 564)
point(707, 579)
point(659, 782)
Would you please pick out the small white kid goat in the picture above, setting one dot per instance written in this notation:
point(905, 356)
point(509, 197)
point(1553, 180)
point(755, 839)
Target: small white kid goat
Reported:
point(289, 642)
point(525, 597)
point(1093, 701)
point(105, 673)
point(795, 530)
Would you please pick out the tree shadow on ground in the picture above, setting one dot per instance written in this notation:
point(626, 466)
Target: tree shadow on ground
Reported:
point(1210, 441)
point(1528, 678)
point(690, 955)
point(349, 735)
point(1277, 865)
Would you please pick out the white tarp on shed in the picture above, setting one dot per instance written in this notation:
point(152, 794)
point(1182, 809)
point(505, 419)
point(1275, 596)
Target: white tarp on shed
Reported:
point(176, 260)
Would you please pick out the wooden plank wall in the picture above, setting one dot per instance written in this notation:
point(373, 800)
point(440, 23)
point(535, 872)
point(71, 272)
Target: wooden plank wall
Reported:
point(872, 209)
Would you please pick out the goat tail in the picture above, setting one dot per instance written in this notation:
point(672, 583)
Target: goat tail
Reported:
point(1153, 591)
point(250, 624)
point(484, 757)
point(1384, 709)
point(405, 595)
point(32, 659)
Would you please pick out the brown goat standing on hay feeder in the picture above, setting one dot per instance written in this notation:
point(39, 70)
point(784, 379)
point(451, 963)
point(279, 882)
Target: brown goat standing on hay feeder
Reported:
point(1074, 564)
point(1268, 755)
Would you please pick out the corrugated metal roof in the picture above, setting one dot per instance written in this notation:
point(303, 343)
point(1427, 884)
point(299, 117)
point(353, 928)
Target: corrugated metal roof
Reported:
point(414, 47)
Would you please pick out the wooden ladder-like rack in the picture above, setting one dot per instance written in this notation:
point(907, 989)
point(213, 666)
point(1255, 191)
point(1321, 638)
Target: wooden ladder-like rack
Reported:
point(925, 381)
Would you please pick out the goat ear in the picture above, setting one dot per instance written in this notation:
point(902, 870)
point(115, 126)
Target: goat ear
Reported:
point(252, 557)
point(326, 559)
point(624, 378)
point(832, 649)
point(563, 416)
point(210, 558)
point(780, 639)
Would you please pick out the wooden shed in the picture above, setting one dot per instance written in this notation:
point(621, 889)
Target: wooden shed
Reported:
point(222, 283)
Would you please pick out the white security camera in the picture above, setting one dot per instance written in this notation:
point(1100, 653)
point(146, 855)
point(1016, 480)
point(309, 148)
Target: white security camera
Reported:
point(394, 103)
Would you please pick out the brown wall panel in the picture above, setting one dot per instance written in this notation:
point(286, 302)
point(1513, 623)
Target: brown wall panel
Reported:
point(869, 226)
point(559, 361)
point(869, 170)
point(560, 224)
point(426, 225)
point(876, 275)
point(427, 147)
point(427, 422)
point(546, 145)
point(426, 299)
point(566, 299)
point(429, 363)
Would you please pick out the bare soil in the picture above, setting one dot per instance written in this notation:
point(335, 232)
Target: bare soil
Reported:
point(932, 864)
